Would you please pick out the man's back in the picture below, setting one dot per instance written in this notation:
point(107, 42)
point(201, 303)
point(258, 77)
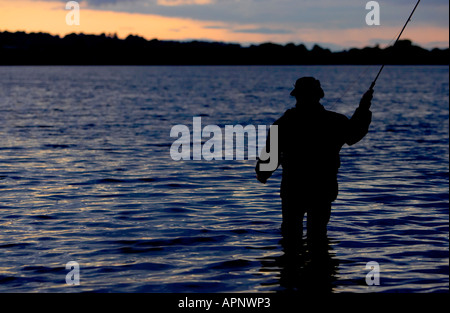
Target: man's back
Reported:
point(309, 143)
point(311, 138)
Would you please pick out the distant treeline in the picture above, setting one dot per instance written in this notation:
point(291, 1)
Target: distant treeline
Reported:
point(79, 49)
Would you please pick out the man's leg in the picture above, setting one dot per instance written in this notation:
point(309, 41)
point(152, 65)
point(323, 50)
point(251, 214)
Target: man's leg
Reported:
point(317, 220)
point(292, 225)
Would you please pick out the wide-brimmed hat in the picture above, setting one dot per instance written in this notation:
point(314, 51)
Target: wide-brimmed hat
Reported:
point(308, 85)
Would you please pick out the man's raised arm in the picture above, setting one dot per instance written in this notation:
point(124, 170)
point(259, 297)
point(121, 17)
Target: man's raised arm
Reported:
point(361, 119)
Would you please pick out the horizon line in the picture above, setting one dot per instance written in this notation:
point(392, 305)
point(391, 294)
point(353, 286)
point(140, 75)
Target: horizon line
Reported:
point(241, 44)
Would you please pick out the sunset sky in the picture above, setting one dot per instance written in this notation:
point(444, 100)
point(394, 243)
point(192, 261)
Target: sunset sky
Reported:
point(334, 24)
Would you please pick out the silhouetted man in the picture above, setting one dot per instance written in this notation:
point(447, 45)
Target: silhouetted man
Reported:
point(309, 141)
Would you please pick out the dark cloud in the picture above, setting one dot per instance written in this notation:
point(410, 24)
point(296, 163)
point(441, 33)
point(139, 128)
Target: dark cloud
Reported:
point(262, 30)
point(289, 14)
point(101, 2)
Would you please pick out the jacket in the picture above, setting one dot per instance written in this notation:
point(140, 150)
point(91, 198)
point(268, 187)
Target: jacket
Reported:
point(310, 139)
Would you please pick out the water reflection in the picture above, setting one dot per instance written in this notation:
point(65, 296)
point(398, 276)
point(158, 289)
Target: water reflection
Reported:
point(306, 267)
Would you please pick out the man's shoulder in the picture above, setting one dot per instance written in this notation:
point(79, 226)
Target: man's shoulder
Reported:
point(289, 114)
point(292, 115)
point(336, 116)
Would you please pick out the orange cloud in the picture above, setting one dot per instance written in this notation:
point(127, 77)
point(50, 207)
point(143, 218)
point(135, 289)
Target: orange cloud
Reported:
point(35, 16)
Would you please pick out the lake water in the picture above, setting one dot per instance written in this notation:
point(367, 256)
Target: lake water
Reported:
point(86, 176)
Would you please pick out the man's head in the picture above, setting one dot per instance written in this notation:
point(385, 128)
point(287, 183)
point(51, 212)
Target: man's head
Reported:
point(307, 89)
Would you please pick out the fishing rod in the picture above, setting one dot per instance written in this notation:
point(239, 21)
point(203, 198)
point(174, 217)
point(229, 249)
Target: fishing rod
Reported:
point(404, 26)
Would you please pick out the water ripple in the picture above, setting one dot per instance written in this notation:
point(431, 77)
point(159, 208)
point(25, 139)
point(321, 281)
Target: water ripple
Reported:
point(86, 176)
